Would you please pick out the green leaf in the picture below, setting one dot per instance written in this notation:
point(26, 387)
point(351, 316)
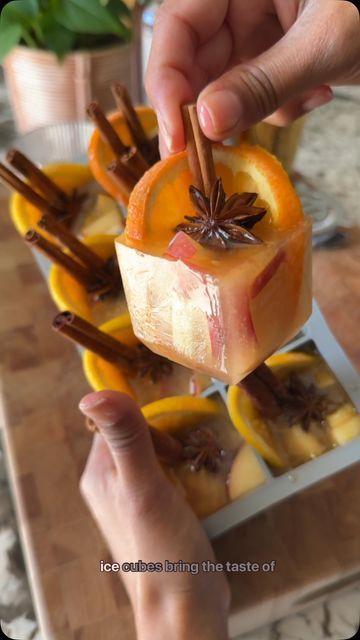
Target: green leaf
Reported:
point(20, 12)
point(117, 8)
point(55, 37)
point(88, 16)
point(17, 20)
point(10, 36)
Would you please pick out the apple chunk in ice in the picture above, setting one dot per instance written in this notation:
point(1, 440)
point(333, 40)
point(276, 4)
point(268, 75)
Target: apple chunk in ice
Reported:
point(219, 312)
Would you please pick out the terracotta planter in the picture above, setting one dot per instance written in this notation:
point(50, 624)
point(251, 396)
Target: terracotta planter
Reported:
point(43, 91)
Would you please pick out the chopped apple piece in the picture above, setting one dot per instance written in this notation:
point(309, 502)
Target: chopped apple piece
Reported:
point(190, 331)
point(246, 322)
point(267, 273)
point(103, 218)
point(341, 415)
point(181, 247)
point(246, 473)
point(344, 424)
point(301, 445)
point(198, 383)
point(205, 491)
point(216, 332)
point(324, 378)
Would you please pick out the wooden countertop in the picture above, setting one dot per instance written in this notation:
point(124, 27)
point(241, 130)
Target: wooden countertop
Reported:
point(47, 445)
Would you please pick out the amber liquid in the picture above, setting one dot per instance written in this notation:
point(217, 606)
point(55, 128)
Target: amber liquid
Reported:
point(181, 381)
point(205, 490)
point(318, 437)
point(107, 309)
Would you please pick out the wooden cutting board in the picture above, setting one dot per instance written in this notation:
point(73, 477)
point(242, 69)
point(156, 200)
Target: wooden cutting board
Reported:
point(314, 537)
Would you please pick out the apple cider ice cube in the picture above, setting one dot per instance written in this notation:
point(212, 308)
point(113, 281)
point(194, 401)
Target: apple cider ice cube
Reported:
point(221, 314)
point(216, 277)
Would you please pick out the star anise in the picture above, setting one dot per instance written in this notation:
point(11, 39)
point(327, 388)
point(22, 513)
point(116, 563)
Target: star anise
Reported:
point(221, 221)
point(109, 283)
point(150, 150)
point(303, 403)
point(297, 402)
point(202, 450)
point(150, 364)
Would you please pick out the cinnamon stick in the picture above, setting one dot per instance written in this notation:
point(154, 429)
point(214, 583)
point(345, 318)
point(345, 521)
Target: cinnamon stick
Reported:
point(106, 129)
point(12, 181)
point(123, 175)
point(199, 150)
point(135, 161)
point(150, 150)
point(88, 257)
point(55, 254)
point(192, 156)
point(56, 196)
point(90, 337)
point(267, 376)
point(265, 390)
point(124, 103)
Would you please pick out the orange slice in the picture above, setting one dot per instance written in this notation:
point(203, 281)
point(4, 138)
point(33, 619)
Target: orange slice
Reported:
point(102, 374)
point(69, 294)
point(247, 418)
point(100, 154)
point(176, 413)
point(68, 176)
point(283, 363)
point(252, 427)
point(161, 198)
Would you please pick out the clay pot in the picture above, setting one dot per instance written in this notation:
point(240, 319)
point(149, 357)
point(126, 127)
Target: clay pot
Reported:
point(44, 91)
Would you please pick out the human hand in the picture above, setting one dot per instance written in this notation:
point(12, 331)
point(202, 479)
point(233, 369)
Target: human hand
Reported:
point(248, 61)
point(143, 517)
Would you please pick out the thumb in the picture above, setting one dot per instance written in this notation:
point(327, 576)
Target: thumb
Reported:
point(126, 434)
point(310, 54)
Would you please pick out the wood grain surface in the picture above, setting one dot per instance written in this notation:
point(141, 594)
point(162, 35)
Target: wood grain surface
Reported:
point(314, 537)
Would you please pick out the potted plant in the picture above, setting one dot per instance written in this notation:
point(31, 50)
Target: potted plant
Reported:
point(58, 55)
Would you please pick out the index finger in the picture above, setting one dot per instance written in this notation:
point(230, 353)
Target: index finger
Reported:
point(173, 77)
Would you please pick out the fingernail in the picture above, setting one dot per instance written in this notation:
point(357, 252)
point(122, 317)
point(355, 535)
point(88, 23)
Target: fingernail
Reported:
point(90, 402)
point(103, 411)
point(167, 138)
point(219, 111)
point(318, 100)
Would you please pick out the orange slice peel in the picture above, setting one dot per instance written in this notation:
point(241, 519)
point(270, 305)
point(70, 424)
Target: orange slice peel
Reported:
point(176, 413)
point(68, 293)
point(102, 374)
point(283, 363)
point(100, 154)
point(165, 187)
point(68, 176)
point(251, 426)
point(247, 419)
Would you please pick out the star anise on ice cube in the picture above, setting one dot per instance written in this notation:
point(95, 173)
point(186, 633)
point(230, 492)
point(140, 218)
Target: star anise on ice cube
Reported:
point(219, 221)
point(304, 404)
point(202, 450)
point(151, 365)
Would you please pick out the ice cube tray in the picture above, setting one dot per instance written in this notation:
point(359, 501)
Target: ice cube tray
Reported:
point(290, 482)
